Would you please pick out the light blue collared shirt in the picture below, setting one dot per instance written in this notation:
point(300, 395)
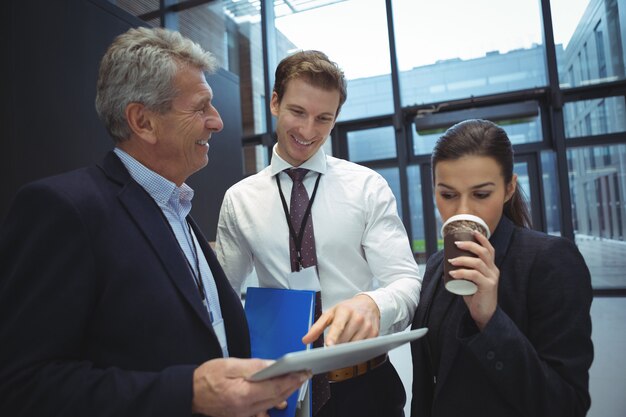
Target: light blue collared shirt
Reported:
point(175, 203)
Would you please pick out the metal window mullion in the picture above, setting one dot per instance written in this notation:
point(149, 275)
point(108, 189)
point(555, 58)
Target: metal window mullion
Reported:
point(555, 111)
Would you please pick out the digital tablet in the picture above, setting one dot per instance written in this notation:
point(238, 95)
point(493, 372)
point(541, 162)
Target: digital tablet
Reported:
point(324, 359)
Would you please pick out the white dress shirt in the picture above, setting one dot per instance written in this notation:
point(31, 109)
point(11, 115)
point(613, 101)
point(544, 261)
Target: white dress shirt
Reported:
point(361, 243)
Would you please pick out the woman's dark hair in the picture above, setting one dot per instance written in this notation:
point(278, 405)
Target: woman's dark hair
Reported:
point(483, 138)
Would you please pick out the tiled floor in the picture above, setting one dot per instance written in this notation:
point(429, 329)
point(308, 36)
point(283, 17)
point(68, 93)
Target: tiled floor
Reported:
point(606, 260)
point(607, 380)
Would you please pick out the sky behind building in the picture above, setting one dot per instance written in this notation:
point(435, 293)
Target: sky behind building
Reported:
point(426, 32)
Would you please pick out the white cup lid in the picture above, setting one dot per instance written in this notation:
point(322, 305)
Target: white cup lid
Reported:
point(470, 217)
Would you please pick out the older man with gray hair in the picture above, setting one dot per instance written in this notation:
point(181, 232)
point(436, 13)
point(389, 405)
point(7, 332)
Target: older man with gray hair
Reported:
point(111, 301)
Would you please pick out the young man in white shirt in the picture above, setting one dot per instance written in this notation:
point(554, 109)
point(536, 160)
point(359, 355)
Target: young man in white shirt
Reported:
point(364, 264)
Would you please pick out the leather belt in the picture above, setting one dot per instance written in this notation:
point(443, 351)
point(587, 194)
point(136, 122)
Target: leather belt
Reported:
point(348, 372)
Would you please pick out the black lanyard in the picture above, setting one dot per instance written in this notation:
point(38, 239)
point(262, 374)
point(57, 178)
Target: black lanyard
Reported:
point(197, 275)
point(297, 239)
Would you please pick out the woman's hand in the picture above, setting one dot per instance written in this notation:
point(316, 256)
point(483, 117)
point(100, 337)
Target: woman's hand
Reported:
point(483, 272)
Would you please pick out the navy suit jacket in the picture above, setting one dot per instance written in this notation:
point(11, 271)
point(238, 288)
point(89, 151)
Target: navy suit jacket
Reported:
point(99, 311)
point(533, 357)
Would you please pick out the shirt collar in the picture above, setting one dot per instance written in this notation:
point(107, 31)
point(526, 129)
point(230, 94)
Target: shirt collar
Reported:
point(316, 163)
point(160, 188)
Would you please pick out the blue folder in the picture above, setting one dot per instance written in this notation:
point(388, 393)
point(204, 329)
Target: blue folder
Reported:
point(278, 318)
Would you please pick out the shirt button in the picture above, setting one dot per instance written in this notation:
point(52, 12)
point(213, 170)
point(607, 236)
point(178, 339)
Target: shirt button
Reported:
point(499, 366)
point(491, 355)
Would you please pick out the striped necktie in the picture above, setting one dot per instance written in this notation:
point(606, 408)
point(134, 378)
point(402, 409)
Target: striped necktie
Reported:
point(298, 205)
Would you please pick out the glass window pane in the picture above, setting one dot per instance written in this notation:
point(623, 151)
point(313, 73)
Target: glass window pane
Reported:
point(521, 169)
point(255, 158)
point(245, 58)
point(589, 37)
point(595, 117)
point(233, 36)
point(598, 192)
point(523, 130)
point(156, 22)
point(439, 226)
point(418, 238)
point(392, 176)
point(482, 47)
point(551, 193)
point(206, 25)
point(231, 31)
point(424, 140)
point(137, 7)
point(372, 144)
point(607, 376)
point(352, 33)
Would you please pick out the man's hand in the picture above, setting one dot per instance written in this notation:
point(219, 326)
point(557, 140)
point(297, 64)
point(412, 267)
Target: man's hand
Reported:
point(220, 388)
point(354, 319)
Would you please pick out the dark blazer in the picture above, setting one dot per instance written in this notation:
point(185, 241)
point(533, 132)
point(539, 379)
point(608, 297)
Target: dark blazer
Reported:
point(99, 312)
point(533, 357)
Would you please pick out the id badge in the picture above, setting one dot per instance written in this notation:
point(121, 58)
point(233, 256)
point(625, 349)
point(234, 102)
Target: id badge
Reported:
point(304, 279)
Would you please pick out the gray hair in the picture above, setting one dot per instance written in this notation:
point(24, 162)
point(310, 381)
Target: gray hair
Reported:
point(139, 67)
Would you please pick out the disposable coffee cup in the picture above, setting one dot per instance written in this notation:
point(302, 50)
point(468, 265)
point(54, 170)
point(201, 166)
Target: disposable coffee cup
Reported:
point(460, 228)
